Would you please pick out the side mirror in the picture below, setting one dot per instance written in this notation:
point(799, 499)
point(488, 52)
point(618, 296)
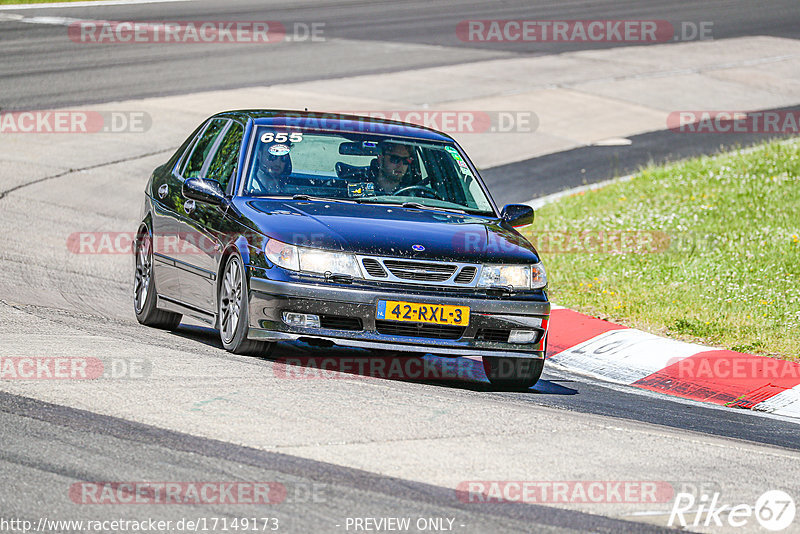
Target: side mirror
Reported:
point(208, 191)
point(517, 215)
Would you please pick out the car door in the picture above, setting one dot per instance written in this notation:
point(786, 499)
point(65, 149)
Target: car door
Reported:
point(167, 203)
point(207, 222)
point(181, 247)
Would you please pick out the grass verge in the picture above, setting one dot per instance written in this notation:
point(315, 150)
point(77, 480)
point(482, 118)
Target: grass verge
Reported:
point(706, 250)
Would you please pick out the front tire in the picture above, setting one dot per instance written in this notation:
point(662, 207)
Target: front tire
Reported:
point(514, 374)
point(234, 318)
point(144, 288)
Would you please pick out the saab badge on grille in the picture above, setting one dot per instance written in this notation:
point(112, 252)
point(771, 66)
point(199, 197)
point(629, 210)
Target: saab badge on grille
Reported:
point(418, 248)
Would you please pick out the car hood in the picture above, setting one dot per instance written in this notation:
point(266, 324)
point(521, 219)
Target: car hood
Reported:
point(389, 231)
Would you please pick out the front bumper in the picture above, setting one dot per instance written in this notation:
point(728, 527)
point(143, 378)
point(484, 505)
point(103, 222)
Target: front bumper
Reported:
point(269, 299)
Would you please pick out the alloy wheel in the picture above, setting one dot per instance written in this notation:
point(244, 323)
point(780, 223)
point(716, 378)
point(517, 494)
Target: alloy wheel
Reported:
point(144, 270)
point(231, 300)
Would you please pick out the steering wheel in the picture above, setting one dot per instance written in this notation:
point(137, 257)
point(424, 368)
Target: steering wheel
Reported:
point(267, 188)
point(425, 192)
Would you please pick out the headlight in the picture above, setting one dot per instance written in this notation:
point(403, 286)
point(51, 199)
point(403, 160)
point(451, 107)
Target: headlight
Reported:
point(310, 259)
point(517, 276)
point(322, 261)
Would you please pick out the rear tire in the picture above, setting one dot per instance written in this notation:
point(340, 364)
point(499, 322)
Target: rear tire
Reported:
point(514, 374)
point(144, 288)
point(233, 316)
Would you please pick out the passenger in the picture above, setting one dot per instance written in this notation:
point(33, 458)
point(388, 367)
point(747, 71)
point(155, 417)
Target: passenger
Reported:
point(271, 170)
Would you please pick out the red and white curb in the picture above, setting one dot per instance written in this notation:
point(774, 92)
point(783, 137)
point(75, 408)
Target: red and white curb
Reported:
point(598, 348)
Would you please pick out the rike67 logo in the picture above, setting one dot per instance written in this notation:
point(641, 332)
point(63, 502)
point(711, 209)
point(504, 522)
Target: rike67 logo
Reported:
point(774, 510)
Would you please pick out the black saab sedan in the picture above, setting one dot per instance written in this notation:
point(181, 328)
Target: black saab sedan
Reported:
point(334, 229)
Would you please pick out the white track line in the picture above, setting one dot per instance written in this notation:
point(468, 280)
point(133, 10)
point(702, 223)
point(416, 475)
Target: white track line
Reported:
point(99, 3)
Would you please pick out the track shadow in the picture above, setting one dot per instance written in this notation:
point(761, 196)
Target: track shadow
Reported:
point(303, 361)
point(552, 387)
point(204, 334)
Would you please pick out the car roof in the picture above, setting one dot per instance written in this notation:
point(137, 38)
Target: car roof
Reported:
point(336, 122)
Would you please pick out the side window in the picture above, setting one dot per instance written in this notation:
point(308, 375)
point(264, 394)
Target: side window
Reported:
point(194, 163)
point(223, 166)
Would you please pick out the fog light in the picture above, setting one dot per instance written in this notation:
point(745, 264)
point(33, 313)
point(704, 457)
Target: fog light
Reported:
point(523, 336)
point(301, 319)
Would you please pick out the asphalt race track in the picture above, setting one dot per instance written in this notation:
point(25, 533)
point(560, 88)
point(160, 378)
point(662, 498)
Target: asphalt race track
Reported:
point(38, 70)
point(344, 446)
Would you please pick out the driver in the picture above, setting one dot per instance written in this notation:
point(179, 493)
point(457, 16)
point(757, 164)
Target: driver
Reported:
point(274, 165)
point(392, 167)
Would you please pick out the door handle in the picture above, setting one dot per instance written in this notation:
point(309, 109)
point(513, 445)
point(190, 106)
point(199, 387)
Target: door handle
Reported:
point(163, 190)
point(188, 206)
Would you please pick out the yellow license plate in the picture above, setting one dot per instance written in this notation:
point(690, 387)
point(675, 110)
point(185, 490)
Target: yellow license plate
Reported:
point(415, 312)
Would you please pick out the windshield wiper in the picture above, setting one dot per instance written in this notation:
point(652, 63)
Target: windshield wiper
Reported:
point(331, 199)
point(426, 207)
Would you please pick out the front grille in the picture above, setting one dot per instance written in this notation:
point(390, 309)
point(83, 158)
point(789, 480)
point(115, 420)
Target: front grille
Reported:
point(434, 331)
point(424, 272)
point(338, 322)
point(493, 334)
point(421, 272)
point(373, 267)
point(466, 275)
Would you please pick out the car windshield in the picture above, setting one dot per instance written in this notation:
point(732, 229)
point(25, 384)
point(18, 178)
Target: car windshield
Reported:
point(362, 168)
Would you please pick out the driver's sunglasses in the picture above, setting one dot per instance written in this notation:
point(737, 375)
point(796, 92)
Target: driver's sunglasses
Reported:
point(397, 160)
point(273, 157)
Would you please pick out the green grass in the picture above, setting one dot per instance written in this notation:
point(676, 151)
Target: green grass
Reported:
point(711, 251)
